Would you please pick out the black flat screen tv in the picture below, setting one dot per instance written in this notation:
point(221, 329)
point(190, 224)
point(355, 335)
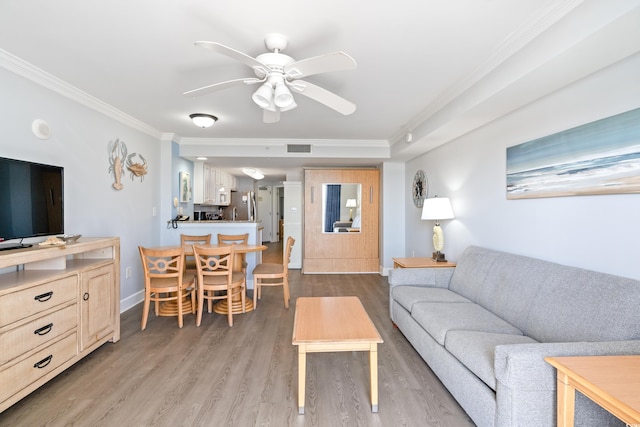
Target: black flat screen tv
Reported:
point(31, 201)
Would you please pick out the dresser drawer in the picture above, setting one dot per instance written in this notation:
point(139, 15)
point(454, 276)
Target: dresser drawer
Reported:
point(37, 332)
point(34, 367)
point(29, 301)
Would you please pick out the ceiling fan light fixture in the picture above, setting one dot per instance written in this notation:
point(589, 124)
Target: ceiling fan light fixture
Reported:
point(203, 120)
point(278, 76)
point(263, 96)
point(282, 96)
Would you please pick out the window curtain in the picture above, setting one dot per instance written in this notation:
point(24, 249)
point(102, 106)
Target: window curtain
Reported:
point(332, 210)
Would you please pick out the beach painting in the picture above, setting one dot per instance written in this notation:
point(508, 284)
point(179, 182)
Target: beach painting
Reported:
point(601, 157)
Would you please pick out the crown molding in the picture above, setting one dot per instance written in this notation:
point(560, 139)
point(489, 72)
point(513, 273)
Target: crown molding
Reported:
point(279, 142)
point(46, 80)
point(516, 41)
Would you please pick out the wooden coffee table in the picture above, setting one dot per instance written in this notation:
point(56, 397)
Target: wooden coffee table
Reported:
point(327, 324)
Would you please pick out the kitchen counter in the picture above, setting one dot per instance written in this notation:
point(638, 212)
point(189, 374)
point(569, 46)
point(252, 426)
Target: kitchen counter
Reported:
point(214, 221)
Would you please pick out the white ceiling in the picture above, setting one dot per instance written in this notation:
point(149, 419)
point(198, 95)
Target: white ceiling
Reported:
point(422, 65)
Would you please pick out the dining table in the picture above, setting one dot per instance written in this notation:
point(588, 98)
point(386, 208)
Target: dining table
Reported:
point(221, 307)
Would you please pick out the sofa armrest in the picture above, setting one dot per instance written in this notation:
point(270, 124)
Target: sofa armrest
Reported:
point(522, 366)
point(430, 277)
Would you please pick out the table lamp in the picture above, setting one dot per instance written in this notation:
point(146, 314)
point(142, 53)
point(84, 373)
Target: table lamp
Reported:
point(437, 208)
point(351, 203)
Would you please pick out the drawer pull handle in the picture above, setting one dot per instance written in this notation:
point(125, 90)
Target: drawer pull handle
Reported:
point(44, 330)
point(85, 297)
point(44, 297)
point(44, 362)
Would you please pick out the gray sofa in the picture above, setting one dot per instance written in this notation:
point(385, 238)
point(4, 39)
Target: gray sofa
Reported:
point(485, 326)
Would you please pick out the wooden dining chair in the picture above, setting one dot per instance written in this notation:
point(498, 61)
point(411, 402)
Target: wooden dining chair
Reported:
point(230, 239)
point(272, 274)
point(187, 241)
point(166, 283)
point(217, 279)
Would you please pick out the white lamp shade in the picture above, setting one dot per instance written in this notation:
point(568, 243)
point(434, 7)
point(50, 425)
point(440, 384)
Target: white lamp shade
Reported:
point(437, 208)
point(263, 95)
point(282, 97)
point(351, 203)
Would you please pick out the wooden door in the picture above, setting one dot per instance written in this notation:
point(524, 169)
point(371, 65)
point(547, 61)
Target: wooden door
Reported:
point(97, 310)
point(341, 252)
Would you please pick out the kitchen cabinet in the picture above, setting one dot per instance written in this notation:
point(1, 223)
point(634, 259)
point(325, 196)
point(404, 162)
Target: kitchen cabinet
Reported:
point(63, 303)
point(222, 188)
point(211, 185)
point(203, 184)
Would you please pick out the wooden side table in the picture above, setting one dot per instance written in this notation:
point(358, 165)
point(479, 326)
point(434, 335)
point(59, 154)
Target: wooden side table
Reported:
point(613, 382)
point(420, 263)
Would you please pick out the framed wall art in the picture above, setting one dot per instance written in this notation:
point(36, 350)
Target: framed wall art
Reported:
point(601, 157)
point(185, 187)
point(419, 189)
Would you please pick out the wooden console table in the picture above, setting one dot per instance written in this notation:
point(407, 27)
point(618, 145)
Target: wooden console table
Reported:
point(613, 382)
point(58, 304)
point(420, 263)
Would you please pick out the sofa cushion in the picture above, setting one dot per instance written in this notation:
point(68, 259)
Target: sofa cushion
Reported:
point(547, 301)
point(407, 296)
point(476, 350)
point(438, 318)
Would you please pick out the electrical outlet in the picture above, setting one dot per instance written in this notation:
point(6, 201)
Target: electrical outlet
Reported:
point(154, 211)
point(127, 272)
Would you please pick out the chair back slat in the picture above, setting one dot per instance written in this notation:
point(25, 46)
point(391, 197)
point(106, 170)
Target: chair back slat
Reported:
point(162, 262)
point(214, 261)
point(228, 239)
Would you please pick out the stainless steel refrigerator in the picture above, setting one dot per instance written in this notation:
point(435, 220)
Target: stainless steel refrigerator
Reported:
point(245, 204)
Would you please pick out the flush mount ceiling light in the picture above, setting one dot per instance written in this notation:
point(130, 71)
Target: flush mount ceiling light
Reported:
point(253, 173)
point(203, 120)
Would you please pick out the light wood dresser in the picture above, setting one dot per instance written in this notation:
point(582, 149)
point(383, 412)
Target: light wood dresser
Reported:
point(57, 304)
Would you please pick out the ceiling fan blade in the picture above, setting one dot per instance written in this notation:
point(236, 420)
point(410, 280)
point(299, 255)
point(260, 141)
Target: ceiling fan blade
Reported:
point(232, 53)
point(222, 85)
point(323, 96)
point(337, 61)
point(271, 116)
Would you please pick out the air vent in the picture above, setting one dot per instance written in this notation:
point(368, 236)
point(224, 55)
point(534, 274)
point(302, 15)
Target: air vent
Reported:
point(298, 148)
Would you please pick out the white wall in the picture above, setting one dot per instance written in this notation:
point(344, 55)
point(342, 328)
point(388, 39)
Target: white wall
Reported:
point(594, 232)
point(392, 214)
point(79, 143)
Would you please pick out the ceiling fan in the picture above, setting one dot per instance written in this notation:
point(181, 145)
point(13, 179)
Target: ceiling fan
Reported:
point(281, 75)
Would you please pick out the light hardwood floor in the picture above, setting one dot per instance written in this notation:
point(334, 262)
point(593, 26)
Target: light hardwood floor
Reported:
point(245, 375)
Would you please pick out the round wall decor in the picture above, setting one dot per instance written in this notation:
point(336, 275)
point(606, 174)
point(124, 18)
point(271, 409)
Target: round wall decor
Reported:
point(420, 188)
point(41, 129)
